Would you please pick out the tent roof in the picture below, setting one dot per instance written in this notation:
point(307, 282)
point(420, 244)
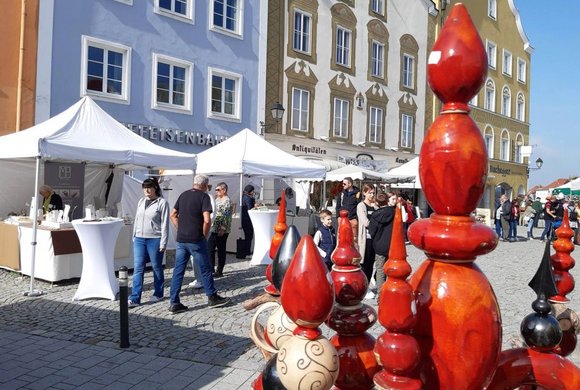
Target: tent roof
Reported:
point(249, 154)
point(360, 173)
point(85, 132)
point(410, 168)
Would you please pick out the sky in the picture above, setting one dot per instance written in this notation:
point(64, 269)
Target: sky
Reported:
point(553, 29)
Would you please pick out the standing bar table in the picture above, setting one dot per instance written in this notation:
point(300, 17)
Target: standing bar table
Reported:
point(98, 240)
point(263, 222)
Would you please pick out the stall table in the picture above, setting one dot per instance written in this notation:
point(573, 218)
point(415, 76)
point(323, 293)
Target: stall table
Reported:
point(9, 250)
point(98, 273)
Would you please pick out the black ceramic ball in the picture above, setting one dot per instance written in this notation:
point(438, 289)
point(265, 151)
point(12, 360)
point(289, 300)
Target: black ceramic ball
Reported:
point(270, 378)
point(541, 333)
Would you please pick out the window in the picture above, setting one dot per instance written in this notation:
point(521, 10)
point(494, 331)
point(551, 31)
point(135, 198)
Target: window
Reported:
point(179, 9)
point(492, 9)
point(171, 83)
point(521, 71)
point(375, 125)
point(341, 109)
point(225, 94)
point(378, 58)
point(491, 50)
point(489, 96)
point(489, 138)
point(343, 47)
point(301, 36)
point(105, 69)
point(300, 104)
point(408, 71)
point(406, 131)
point(378, 7)
point(505, 146)
point(518, 149)
point(521, 107)
point(507, 63)
point(506, 102)
point(227, 16)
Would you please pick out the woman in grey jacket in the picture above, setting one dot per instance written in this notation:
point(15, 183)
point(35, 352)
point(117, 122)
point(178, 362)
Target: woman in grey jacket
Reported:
point(150, 232)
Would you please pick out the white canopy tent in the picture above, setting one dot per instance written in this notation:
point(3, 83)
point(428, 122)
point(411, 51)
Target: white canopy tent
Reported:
point(86, 133)
point(410, 169)
point(360, 173)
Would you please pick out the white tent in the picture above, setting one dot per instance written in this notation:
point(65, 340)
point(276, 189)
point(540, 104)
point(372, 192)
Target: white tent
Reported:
point(86, 133)
point(411, 169)
point(572, 188)
point(360, 173)
point(249, 154)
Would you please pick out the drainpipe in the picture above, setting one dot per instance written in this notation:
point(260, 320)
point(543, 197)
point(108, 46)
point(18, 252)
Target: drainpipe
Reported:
point(20, 63)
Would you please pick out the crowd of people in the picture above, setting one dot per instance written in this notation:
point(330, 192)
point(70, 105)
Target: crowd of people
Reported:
point(510, 214)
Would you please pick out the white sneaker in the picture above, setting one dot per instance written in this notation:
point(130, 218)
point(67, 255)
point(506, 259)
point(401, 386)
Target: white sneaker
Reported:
point(154, 299)
point(130, 303)
point(372, 283)
point(370, 295)
point(195, 284)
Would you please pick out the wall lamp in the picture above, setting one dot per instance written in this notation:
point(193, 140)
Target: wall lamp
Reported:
point(539, 163)
point(277, 110)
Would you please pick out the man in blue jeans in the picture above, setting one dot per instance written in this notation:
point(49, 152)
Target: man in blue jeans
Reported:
point(191, 217)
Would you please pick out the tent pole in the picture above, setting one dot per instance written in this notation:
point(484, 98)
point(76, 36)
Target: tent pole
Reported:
point(323, 202)
point(32, 292)
point(240, 204)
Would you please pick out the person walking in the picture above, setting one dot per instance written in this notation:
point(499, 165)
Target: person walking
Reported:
point(537, 205)
point(529, 216)
point(514, 220)
point(220, 228)
point(381, 230)
point(248, 203)
point(506, 212)
point(348, 199)
point(365, 243)
point(549, 216)
point(191, 218)
point(150, 234)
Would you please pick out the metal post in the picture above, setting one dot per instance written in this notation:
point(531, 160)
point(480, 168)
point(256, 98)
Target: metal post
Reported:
point(124, 306)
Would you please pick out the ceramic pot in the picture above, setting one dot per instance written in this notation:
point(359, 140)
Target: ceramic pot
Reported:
point(307, 364)
point(278, 328)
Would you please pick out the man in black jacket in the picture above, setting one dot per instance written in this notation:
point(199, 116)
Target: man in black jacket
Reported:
point(347, 200)
point(381, 231)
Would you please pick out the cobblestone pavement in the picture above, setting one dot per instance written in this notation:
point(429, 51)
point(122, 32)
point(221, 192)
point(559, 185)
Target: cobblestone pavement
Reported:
point(52, 342)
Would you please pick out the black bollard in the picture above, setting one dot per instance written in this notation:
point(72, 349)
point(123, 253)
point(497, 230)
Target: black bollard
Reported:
point(124, 306)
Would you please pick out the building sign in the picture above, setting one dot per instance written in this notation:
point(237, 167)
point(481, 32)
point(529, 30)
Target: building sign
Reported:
point(308, 149)
point(163, 134)
point(499, 170)
point(68, 181)
point(399, 160)
point(363, 161)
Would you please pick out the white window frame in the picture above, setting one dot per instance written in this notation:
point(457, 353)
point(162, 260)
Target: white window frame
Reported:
point(507, 63)
point(408, 71)
point(518, 157)
point(238, 32)
point(188, 17)
point(303, 96)
point(378, 60)
point(378, 7)
point(492, 9)
point(406, 130)
point(489, 96)
point(124, 97)
point(491, 51)
point(506, 101)
point(376, 125)
point(188, 87)
point(521, 107)
point(504, 146)
point(238, 78)
point(343, 51)
point(489, 138)
point(341, 119)
point(298, 46)
point(521, 70)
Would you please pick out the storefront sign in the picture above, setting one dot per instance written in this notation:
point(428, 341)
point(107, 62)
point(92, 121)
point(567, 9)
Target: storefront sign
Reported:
point(499, 170)
point(68, 181)
point(399, 160)
point(308, 149)
point(162, 134)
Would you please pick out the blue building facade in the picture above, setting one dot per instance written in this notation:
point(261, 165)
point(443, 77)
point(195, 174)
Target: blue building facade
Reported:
point(185, 74)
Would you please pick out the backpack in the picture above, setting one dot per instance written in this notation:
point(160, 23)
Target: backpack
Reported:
point(572, 213)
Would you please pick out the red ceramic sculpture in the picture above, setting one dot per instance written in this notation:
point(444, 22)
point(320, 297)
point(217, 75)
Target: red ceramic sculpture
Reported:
point(562, 261)
point(458, 320)
point(351, 319)
point(396, 349)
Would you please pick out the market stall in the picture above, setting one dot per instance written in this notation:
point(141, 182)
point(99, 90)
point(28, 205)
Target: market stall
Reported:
point(86, 134)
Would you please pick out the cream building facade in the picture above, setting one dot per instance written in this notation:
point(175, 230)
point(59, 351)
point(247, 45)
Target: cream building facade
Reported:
point(351, 76)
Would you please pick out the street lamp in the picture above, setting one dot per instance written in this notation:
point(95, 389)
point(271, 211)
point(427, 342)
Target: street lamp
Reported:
point(277, 110)
point(539, 163)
